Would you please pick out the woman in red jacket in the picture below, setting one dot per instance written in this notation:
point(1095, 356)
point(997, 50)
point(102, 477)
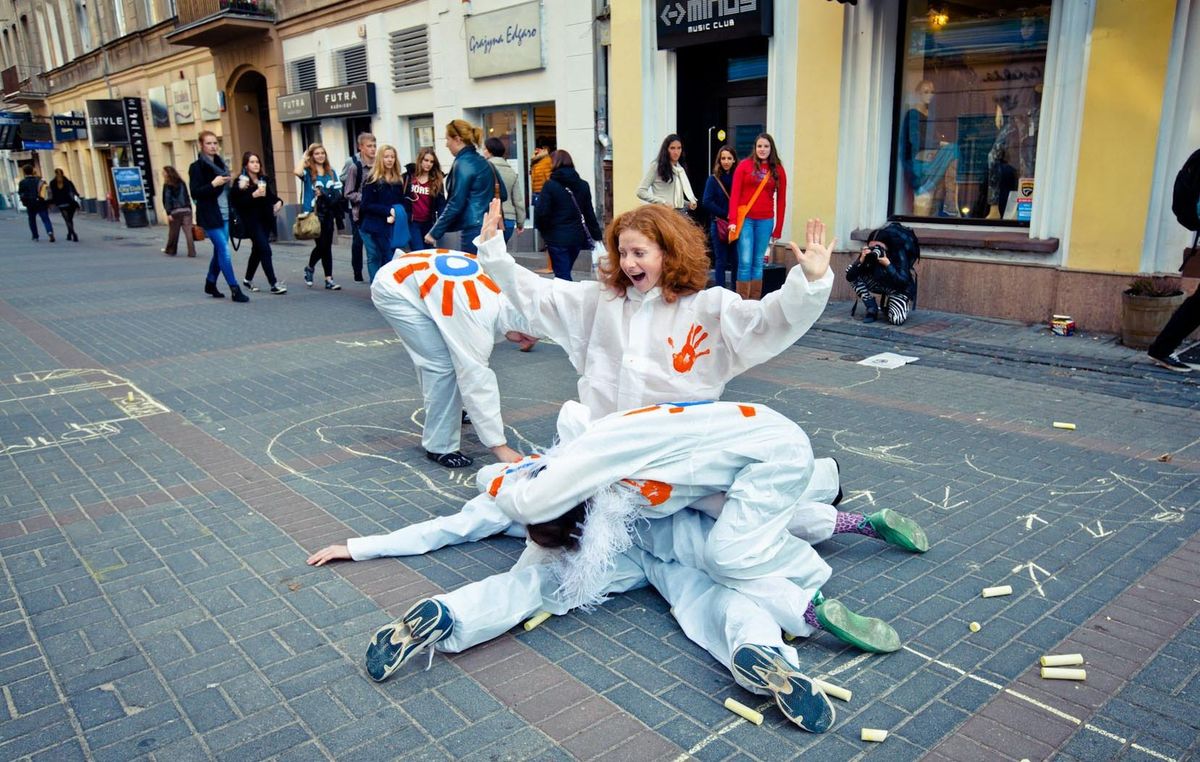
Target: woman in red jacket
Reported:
point(760, 184)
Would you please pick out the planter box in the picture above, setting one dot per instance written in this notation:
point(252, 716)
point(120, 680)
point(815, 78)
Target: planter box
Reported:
point(1143, 317)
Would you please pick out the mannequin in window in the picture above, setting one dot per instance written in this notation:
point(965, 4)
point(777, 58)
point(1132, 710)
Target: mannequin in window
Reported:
point(924, 158)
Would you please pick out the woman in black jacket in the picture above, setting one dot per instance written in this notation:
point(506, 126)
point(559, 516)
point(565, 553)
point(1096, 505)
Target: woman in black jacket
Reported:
point(208, 179)
point(62, 195)
point(178, 205)
point(256, 203)
point(716, 203)
point(884, 266)
point(564, 215)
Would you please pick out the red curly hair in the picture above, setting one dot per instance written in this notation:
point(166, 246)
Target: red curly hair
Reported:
point(685, 256)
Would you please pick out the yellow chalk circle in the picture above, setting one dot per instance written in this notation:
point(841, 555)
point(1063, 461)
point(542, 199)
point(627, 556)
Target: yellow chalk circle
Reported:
point(871, 734)
point(1062, 425)
point(537, 619)
point(974, 627)
point(992, 592)
point(743, 711)
point(1061, 673)
point(829, 689)
point(1062, 660)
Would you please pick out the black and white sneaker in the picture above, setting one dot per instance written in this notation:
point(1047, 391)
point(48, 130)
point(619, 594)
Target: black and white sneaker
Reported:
point(1171, 362)
point(249, 284)
point(797, 697)
point(279, 288)
point(427, 622)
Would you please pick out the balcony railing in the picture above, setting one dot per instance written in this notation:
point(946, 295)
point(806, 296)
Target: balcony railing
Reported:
point(23, 84)
point(191, 11)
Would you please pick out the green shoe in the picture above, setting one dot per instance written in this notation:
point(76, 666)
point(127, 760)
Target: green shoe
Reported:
point(899, 530)
point(865, 632)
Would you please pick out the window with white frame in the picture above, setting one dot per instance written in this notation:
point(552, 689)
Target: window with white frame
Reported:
point(118, 7)
point(410, 58)
point(967, 107)
point(351, 65)
point(302, 74)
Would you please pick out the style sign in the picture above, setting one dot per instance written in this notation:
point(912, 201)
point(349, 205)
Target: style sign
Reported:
point(680, 23)
point(504, 41)
point(106, 121)
point(128, 182)
point(351, 100)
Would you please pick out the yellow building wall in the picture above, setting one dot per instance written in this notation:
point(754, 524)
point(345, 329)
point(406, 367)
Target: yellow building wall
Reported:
point(1126, 75)
point(812, 171)
point(625, 100)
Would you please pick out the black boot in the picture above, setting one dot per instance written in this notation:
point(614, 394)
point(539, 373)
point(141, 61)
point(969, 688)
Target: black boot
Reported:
point(210, 288)
point(238, 296)
point(872, 310)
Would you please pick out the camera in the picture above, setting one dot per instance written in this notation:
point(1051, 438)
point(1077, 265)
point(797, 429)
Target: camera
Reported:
point(874, 253)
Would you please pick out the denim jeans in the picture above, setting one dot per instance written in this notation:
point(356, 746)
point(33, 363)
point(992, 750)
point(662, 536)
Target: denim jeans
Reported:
point(221, 261)
point(378, 249)
point(510, 227)
point(34, 213)
point(722, 257)
point(752, 246)
point(416, 234)
point(469, 234)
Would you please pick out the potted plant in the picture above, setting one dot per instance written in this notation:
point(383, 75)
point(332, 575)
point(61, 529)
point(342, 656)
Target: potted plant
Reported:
point(1146, 306)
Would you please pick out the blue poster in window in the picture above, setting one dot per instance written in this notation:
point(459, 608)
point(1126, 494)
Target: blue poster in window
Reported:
point(128, 181)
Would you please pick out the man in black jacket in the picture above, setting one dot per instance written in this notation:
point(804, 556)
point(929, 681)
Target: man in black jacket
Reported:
point(30, 191)
point(885, 267)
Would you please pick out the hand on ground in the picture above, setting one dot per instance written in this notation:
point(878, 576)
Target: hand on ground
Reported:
point(331, 553)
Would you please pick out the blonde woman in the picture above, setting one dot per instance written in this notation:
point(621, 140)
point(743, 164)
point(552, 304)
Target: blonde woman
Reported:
point(381, 194)
point(472, 185)
point(322, 194)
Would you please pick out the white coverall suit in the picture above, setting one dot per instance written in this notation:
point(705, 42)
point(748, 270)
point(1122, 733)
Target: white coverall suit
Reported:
point(449, 314)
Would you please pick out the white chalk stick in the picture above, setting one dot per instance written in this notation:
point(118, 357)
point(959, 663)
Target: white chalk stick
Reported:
point(992, 592)
point(829, 689)
point(537, 619)
point(743, 711)
point(974, 627)
point(1062, 673)
point(871, 734)
point(1062, 660)
point(1063, 425)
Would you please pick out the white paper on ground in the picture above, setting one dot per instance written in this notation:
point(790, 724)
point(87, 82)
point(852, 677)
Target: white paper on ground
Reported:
point(887, 360)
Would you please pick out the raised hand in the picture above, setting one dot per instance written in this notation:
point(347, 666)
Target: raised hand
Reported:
point(814, 259)
point(493, 221)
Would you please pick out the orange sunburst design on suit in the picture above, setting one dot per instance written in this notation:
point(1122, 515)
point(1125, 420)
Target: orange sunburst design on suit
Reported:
point(449, 268)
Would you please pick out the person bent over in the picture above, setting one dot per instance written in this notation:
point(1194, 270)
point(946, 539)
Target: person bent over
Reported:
point(884, 267)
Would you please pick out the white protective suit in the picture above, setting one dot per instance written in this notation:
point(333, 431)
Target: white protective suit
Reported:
point(639, 349)
point(449, 314)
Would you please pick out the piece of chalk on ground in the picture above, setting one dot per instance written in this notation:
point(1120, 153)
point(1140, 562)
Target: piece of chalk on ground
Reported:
point(992, 592)
point(871, 734)
point(1063, 425)
point(1062, 673)
point(743, 711)
point(829, 689)
point(537, 619)
point(1062, 660)
point(789, 636)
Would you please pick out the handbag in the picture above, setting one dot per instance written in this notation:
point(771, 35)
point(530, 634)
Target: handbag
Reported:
point(307, 227)
point(599, 252)
point(744, 209)
point(1191, 259)
point(198, 233)
point(723, 222)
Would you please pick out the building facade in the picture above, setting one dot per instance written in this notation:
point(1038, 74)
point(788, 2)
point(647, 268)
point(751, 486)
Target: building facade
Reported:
point(1031, 144)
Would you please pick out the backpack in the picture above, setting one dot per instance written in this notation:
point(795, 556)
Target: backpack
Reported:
point(1186, 194)
point(30, 191)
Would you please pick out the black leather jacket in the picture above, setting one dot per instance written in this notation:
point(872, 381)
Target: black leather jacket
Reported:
point(903, 252)
point(471, 186)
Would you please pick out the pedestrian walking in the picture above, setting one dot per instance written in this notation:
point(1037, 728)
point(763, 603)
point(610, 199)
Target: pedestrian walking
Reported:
point(716, 202)
point(64, 197)
point(178, 205)
point(539, 173)
point(32, 192)
point(321, 194)
point(514, 208)
point(666, 181)
point(756, 208)
point(472, 185)
point(381, 193)
point(425, 194)
point(209, 180)
point(256, 201)
point(354, 175)
point(564, 215)
point(1185, 203)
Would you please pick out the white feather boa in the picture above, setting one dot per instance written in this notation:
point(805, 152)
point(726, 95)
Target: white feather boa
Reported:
point(607, 533)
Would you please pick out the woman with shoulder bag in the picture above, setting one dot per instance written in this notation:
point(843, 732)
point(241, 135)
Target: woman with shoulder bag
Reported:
point(321, 196)
point(716, 203)
point(756, 208)
point(253, 196)
point(564, 215)
point(178, 203)
point(472, 185)
point(63, 195)
point(666, 181)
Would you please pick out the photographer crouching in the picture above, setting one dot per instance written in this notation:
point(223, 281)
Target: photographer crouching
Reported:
point(885, 267)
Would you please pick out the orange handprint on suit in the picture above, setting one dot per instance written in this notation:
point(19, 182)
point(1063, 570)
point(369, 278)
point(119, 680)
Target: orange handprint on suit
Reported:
point(686, 357)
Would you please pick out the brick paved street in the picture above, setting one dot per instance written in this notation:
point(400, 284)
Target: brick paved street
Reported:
point(171, 459)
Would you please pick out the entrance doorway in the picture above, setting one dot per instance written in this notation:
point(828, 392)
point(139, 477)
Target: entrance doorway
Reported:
point(722, 86)
point(519, 128)
point(252, 120)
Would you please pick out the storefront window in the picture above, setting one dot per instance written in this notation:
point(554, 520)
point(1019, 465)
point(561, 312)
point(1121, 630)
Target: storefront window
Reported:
point(310, 132)
point(969, 94)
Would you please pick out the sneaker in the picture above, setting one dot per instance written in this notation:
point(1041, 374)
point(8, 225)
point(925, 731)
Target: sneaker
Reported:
point(797, 697)
point(427, 622)
point(249, 284)
point(1171, 362)
point(51, 238)
point(863, 632)
point(308, 276)
point(331, 286)
point(278, 288)
point(899, 530)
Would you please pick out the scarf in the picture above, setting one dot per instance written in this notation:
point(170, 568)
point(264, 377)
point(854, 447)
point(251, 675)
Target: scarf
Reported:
point(223, 197)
